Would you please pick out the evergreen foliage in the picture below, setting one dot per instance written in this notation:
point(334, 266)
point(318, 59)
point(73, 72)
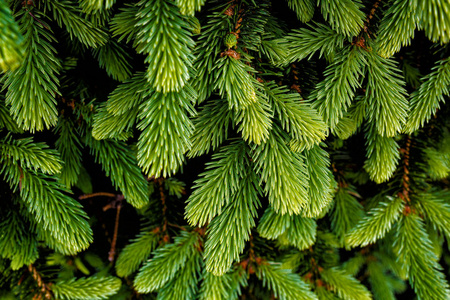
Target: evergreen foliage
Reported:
point(235, 149)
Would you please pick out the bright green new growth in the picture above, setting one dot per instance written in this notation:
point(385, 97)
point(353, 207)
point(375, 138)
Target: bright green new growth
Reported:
point(415, 252)
point(91, 288)
point(425, 101)
point(344, 16)
point(345, 285)
point(284, 284)
point(11, 52)
point(225, 244)
point(17, 243)
point(376, 224)
point(132, 256)
point(397, 27)
point(32, 88)
point(386, 96)
point(149, 88)
point(163, 35)
point(382, 156)
point(335, 93)
point(284, 174)
point(166, 262)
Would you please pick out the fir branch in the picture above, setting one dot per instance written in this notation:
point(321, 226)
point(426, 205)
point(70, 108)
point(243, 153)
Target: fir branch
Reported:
point(216, 186)
point(166, 131)
point(166, 262)
point(114, 59)
point(211, 127)
point(61, 220)
point(68, 144)
point(209, 45)
point(283, 172)
point(235, 83)
point(344, 16)
point(345, 213)
point(320, 182)
point(255, 120)
point(188, 7)
point(344, 285)
point(435, 210)
point(303, 8)
point(382, 155)
point(379, 284)
point(68, 14)
point(376, 224)
point(415, 251)
point(136, 252)
point(301, 233)
point(185, 283)
point(228, 232)
point(119, 163)
point(91, 288)
point(291, 230)
point(121, 110)
point(33, 106)
point(6, 120)
point(425, 101)
point(397, 27)
point(18, 243)
point(297, 117)
point(283, 283)
point(91, 6)
point(335, 93)
point(434, 19)
point(165, 38)
point(385, 95)
point(123, 24)
point(305, 42)
point(11, 52)
point(272, 225)
point(216, 287)
point(36, 156)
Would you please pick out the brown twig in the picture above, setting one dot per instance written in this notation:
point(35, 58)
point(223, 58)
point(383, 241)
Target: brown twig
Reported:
point(112, 251)
point(44, 288)
point(99, 194)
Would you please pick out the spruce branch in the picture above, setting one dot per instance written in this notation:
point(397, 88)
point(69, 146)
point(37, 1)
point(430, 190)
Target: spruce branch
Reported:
point(68, 14)
point(166, 131)
point(344, 285)
point(217, 185)
point(386, 95)
point(335, 93)
point(94, 288)
point(166, 262)
point(397, 27)
point(345, 16)
point(426, 100)
point(33, 106)
point(382, 155)
point(305, 42)
point(283, 172)
point(283, 283)
point(434, 19)
point(223, 246)
point(414, 250)
point(303, 8)
point(376, 224)
point(164, 36)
